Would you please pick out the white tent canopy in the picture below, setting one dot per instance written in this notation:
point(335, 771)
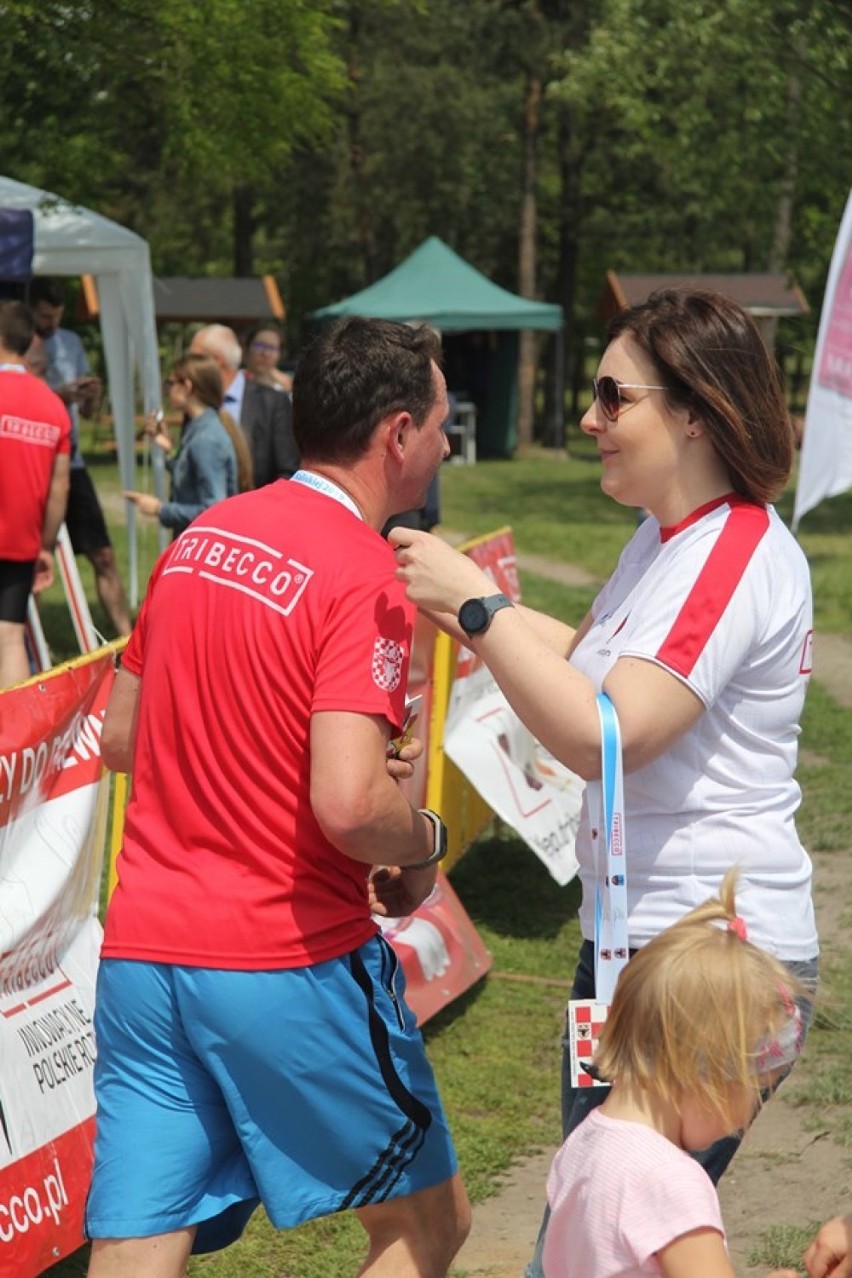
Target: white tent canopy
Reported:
point(69, 240)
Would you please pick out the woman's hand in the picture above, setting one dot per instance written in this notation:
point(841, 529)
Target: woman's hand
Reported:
point(156, 432)
point(438, 578)
point(144, 502)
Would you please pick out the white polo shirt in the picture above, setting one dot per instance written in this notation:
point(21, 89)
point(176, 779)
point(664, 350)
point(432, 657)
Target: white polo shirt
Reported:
point(723, 601)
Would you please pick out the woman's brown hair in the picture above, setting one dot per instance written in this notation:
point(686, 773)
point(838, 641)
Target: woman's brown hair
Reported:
point(712, 359)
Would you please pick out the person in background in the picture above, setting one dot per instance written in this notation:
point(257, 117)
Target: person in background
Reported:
point(35, 444)
point(263, 351)
point(205, 469)
point(702, 639)
point(700, 1025)
point(36, 358)
point(264, 415)
point(68, 374)
point(254, 1043)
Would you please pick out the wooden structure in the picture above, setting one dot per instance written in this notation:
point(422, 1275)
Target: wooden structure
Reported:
point(214, 299)
point(766, 296)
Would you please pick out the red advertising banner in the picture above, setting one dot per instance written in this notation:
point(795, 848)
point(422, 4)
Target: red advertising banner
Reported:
point(440, 950)
point(53, 806)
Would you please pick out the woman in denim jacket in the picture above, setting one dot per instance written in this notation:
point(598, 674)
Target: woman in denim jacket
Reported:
point(212, 461)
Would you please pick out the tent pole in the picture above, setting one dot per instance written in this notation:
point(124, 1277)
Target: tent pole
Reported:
point(559, 391)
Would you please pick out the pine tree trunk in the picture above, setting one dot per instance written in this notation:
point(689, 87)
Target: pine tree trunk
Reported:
point(360, 184)
point(528, 348)
point(244, 228)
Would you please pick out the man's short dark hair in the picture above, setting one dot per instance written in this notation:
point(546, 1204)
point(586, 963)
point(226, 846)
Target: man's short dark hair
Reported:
point(47, 290)
point(355, 373)
point(17, 327)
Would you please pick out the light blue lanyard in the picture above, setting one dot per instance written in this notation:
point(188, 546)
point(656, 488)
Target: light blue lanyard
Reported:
point(320, 484)
point(611, 938)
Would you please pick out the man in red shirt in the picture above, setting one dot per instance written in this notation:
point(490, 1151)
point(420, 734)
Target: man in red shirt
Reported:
point(253, 1041)
point(35, 443)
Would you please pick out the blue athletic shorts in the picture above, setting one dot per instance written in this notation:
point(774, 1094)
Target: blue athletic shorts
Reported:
point(306, 1089)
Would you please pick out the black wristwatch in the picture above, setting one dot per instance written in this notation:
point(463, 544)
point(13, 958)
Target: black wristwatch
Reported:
point(475, 614)
point(439, 836)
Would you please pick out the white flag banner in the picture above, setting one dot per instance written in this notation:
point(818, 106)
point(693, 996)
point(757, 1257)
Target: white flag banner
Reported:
point(518, 779)
point(825, 468)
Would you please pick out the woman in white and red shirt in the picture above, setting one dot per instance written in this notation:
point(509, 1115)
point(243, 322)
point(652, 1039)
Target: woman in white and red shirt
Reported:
point(701, 638)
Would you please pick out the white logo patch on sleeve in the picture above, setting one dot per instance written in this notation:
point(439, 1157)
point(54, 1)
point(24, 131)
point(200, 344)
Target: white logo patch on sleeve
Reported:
point(387, 664)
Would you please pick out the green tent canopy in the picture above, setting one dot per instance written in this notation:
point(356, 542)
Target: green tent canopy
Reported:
point(437, 286)
point(480, 323)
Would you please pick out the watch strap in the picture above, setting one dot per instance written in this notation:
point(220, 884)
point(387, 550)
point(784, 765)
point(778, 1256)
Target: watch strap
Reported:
point(490, 604)
point(439, 835)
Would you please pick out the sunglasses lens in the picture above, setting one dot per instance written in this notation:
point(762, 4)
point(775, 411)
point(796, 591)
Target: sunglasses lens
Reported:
point(606, 393)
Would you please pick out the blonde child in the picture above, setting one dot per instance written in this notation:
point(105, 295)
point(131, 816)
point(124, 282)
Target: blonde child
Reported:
point(700, 1022)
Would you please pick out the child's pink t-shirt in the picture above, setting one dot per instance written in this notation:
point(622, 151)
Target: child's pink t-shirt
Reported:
point(619, 1192)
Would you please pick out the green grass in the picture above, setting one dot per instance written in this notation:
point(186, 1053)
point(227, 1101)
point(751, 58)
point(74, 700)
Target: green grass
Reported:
point(781, 1247)
point(496, 1051)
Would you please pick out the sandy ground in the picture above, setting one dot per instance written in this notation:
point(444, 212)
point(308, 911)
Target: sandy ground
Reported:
point(789, 1170)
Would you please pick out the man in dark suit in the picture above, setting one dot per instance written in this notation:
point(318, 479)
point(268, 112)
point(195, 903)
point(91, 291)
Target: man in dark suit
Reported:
point(263, 413)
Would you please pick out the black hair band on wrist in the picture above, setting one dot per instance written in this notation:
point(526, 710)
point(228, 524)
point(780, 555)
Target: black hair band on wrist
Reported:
point(439, 850)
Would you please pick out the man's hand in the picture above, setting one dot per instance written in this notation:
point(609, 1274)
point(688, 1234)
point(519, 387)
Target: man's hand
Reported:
point(82, 391)
point(395, 892)
point(401, 766)
point(145, 502)
point(86, 392)
point(43, 575)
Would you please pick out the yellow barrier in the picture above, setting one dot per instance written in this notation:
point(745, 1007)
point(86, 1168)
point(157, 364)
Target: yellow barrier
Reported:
point(448, 791)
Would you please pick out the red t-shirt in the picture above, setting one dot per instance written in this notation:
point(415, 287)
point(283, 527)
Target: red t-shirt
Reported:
point(270, 606)
point(34, 427)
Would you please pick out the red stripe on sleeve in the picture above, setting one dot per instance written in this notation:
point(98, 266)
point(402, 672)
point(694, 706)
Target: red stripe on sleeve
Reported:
point(713, 588)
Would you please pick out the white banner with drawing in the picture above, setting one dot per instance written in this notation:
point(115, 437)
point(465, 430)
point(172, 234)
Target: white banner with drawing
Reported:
point(520, 780)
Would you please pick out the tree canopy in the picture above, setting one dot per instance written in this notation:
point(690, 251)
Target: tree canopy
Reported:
point(545, 141)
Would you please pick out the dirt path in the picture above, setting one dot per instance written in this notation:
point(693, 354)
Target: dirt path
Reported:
point(789, 1171)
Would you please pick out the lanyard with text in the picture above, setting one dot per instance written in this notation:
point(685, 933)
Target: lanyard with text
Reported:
point(611, 945)
point(320, 484)
point(586, 1017)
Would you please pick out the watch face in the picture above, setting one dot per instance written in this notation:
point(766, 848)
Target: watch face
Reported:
point(474, 617)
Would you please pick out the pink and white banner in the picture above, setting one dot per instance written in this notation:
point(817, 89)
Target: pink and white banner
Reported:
point(826, 461)
point(53, 809)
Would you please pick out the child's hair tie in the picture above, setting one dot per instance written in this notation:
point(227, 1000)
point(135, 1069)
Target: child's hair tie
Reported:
point(782, 1048)
point(738, 927)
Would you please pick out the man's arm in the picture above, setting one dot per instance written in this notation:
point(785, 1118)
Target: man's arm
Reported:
point(358, 805)
point(57, 500)
point(54, 513)
point(119, 735)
